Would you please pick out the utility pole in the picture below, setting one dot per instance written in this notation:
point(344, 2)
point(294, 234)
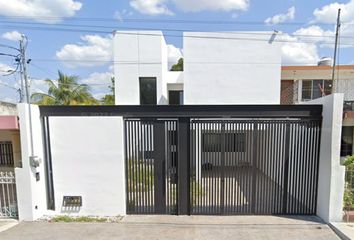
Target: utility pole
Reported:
point(34, 162)
point(334, 82)
point(23, 65)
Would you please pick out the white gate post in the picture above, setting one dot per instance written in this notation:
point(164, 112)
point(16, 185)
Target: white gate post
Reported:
point(30, 181)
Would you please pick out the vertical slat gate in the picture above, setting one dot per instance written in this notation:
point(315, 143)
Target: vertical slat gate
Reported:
point(235, 166)
point(151, 166)
point(254, 166)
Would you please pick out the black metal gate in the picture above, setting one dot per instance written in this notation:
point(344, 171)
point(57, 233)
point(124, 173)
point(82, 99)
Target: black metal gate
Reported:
point(151, 166)
point(254, 166)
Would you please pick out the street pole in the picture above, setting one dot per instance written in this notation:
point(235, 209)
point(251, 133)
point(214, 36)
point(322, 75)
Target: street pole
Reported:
point(334, 82)
point(24, 76)
point(22, 99)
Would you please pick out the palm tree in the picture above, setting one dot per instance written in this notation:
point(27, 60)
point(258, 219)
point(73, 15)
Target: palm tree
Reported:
point(67, 92)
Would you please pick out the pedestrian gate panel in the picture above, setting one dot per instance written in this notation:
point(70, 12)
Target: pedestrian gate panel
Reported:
point(151, 159)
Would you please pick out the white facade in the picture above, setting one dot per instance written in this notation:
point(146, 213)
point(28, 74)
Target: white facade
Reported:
point(141, 54)
point(223, 68)
point(219, 68)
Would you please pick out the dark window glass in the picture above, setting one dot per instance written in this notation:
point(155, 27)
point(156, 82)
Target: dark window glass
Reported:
point(148, 91)
point(347, 141)
point(312, 89)
point(306, 89)
point(234, 142)
point(317, 89)
point(6, 154)
point(175, 97)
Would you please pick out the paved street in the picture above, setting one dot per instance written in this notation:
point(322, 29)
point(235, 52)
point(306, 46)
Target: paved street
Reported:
point(175, 227)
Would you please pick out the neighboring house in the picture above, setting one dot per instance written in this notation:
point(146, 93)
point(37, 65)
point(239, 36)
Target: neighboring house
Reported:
point(10, 148)
point(219, 68)
point(10, 158)
point(304, 83)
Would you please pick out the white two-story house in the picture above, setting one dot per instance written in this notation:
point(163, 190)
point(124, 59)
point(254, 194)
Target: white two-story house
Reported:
point(219, 68)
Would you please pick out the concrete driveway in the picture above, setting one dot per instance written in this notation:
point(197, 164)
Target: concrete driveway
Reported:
point(177, 227)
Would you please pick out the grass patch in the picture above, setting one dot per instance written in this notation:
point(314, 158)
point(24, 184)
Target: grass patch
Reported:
point(78, 219)
point(141, 176)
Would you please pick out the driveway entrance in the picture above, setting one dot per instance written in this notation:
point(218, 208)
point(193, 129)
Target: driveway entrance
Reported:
point(178, 227)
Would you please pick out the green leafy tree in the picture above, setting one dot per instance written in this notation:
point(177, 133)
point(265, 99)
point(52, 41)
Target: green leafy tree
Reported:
point(178, 66)
point(109, 99)
point(67, 92)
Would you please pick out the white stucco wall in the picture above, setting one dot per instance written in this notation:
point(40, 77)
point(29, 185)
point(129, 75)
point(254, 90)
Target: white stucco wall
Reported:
point(31, 196)
point(88, 161)
point(221, 69)
point(331, 173)
point(139, 54)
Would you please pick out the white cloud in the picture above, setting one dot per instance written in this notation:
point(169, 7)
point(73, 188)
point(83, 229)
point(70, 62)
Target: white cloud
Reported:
point(160, 7)
point(315, 34)
point(282, 17)
point(120, 15)
point(5, 68)
point(40, 9)
point(151, 7)
point(98, 80)
point(328, 13)
point(12, 36)
point(94, 51)
point(295, 52)
point(37, 85)
point(212, 5)
point(174, 54)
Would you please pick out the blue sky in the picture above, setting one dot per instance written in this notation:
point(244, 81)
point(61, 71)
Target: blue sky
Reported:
point(307, 27)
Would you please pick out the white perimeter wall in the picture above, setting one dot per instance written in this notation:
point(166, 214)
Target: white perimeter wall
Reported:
point(224, 71)
point(331, 173)
point(88, 161)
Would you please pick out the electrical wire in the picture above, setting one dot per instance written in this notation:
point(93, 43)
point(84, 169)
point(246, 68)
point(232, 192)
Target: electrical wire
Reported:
point(164, 21)
point(172, 35)
point(165, 29)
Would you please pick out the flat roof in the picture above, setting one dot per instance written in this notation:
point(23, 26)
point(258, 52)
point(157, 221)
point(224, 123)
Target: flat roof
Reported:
point(308, 67)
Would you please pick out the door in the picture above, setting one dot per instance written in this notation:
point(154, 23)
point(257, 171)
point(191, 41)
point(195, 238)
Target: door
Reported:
point(151, 166)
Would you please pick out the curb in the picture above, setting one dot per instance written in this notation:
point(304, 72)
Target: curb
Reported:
point(9, 225)
point(339, 233)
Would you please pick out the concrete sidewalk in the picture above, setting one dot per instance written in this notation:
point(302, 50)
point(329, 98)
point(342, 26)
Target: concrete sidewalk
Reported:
point(6, 224)
point(344, 229)
point(177, 227)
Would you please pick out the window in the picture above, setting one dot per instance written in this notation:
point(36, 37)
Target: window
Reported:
point(234, 142)
point(347, 141)
point(348, 106)
point(148, 91)
point(6, 154)
point(175, 97)
point(312, 89)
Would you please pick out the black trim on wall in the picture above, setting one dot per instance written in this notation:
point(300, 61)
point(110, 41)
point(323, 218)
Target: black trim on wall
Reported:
point(242, 111)
point(48, 164)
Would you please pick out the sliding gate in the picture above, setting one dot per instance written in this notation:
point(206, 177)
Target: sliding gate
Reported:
point(254, 166)
point(235, 166)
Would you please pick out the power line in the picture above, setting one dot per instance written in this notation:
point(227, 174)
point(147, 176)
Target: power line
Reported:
point(164, 21)
point(164, 29)
point(173, 35)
